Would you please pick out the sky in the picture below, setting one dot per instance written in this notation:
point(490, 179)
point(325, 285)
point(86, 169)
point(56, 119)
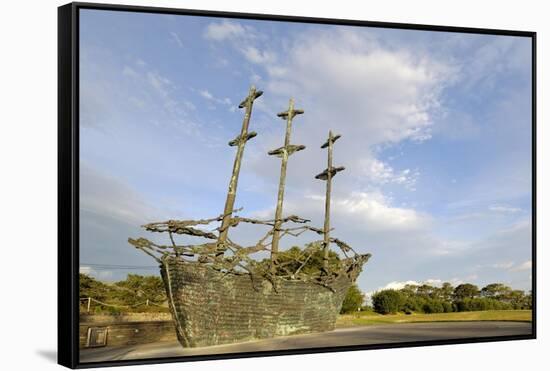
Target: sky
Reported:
point(436, 140)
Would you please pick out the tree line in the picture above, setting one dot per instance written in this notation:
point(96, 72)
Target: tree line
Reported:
point(134, 294)
point(462, 298)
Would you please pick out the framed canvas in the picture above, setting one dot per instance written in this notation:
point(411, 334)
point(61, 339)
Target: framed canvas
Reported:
point(242, 185)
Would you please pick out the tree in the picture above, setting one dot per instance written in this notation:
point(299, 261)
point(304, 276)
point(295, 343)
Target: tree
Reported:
point(353, 300)
point(427, 291)
point(412, 304)
point(465, 291)
point(447, 291)
point(130, 295)
point(136, 289)
point(409, 290)
point(447, 307)
point(90, 287)
point(496, 291)
point(433, 306)
point(516, 298)
point(387, 301)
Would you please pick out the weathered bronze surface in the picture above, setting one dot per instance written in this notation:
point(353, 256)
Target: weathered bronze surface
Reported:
point(240, 142)
point(327, 175)
point(283, 152)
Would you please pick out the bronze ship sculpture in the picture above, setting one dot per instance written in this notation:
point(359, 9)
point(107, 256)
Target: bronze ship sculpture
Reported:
point(218, 293)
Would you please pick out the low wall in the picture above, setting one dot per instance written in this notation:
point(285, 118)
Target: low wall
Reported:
point(130, 328)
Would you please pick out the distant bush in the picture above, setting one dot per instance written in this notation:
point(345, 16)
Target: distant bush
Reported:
point(433, 306)
point(447, 307)
point(387, 301)
point(134, 294)
point(476, 304)
point(412, 304)
point(353, 300)
point(465, 297)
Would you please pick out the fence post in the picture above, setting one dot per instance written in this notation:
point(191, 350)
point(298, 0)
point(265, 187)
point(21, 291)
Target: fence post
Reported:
point(89, 304)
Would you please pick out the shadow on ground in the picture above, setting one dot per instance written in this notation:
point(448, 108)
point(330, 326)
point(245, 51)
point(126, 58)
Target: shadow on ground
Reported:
point(50, 355)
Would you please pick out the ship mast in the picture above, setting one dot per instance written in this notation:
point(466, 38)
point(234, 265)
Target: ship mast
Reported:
point(240, 142)
point(327, 175)
point(283, 152)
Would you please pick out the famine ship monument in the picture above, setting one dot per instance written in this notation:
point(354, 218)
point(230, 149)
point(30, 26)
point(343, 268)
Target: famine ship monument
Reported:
point(219, 294)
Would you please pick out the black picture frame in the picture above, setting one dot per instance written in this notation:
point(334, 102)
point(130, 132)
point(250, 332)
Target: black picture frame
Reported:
point(68, 180)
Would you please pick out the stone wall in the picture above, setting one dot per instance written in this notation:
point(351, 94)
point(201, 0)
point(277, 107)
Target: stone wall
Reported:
point(130, 328)
point(125, 317)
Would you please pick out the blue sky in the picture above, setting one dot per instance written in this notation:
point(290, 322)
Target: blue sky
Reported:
point(436, 139)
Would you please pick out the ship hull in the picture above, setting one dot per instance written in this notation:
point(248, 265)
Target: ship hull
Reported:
point(212, 308)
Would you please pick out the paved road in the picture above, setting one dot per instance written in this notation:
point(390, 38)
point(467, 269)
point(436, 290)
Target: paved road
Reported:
point(378, 334)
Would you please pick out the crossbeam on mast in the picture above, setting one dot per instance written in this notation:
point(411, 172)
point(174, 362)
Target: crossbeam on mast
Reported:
point(239, 142)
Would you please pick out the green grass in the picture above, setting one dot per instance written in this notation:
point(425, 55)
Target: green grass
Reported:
point(371, 318)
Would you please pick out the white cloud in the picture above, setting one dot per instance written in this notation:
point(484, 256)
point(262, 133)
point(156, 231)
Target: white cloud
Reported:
point(368, 212)
point(398, 285)
point(112, 198)
point(503, 265)
point(209, 96)
point(367, 221)
point(504, 209)
point(486, 63)
point(177, 39)
point(348, 82)
point(505, 243)
point(381, 173)
point(243, 38)
point(129, 71)
point(374, 210)
point(206, 94)
point(85, 270)
point(525, 266)
point(385, 95)
point(101, 274)
point(103, 101)
point(225, 30)
point(160, 83)
point(255, 55)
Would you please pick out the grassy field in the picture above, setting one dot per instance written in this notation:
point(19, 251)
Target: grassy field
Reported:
point(371, 318)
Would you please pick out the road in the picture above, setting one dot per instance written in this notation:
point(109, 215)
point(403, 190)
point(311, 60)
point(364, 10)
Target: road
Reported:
point(376, 334)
